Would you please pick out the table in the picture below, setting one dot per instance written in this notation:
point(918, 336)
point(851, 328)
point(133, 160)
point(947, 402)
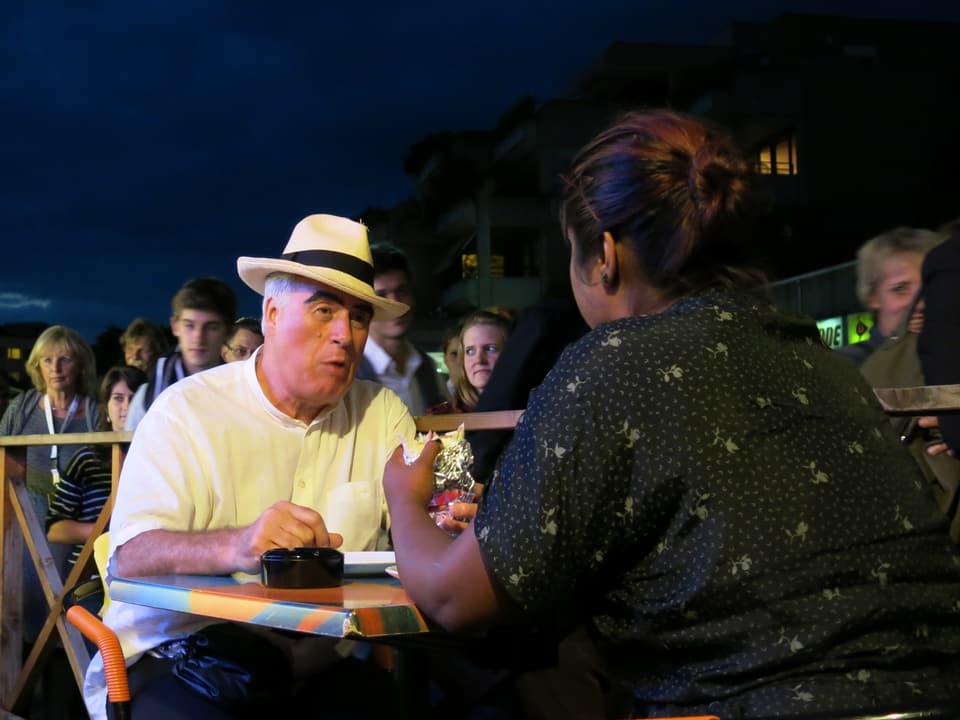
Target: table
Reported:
point(362, 608)
point(922, 400)
point(368, 608)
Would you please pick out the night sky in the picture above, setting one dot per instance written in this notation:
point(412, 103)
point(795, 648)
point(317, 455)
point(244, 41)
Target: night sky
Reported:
point(146, 143)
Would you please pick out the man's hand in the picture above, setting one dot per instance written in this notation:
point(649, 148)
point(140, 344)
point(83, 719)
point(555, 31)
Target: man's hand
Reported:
point(411, 483)
point(934, 448)
point(282, 525)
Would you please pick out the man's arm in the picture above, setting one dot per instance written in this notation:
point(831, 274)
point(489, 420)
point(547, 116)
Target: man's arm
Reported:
point(220, 552)
point(446, 578)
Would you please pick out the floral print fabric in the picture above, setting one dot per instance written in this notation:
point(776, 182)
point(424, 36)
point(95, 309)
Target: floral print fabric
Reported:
point(723, 502)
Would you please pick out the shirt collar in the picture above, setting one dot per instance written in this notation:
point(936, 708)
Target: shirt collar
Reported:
point(380, 361)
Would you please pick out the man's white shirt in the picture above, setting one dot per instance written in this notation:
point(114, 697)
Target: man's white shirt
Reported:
point(403, 384)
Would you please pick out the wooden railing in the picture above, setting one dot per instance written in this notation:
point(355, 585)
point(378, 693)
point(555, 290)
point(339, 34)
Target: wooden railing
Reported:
point(20, 526)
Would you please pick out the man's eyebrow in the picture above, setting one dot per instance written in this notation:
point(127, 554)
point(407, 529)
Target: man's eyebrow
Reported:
point(324, 295)
point(334, 298)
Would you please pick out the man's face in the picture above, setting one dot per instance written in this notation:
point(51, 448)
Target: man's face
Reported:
point(139, 354)
point(896, 288)
point(319, 333)
point(199, 333)
point(393, 285)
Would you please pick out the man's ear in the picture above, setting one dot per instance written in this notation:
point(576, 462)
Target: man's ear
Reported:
point(173, 326)
point(270, 310)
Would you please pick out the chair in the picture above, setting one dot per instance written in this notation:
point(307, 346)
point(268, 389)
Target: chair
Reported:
point(100, 547)
point(114, 665)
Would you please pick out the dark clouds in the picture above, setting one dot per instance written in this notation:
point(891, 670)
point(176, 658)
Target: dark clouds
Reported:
point(145, 143)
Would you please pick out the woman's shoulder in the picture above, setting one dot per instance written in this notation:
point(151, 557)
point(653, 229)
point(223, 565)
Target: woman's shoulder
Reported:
point(87, 455)
point(20, 405)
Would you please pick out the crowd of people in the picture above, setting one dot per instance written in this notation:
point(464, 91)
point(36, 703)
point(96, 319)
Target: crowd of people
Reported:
point(702, 511)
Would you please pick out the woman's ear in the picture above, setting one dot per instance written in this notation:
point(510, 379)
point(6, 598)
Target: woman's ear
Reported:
point(609, 261)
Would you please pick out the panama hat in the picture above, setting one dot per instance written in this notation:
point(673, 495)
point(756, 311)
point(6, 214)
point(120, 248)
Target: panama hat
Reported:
point(331, 250)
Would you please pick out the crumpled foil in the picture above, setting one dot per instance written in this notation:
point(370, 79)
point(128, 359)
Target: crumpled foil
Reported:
point(451, 471)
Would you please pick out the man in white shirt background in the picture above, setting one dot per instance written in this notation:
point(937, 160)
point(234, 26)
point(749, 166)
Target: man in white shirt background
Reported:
point(389, 357)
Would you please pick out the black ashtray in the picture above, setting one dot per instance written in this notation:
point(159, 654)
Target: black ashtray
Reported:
point(303, 567)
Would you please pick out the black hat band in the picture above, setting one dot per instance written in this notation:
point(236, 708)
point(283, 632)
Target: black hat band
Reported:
point(353, 266)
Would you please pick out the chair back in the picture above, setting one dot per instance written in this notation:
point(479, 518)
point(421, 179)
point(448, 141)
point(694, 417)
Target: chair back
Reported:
point(100, 547)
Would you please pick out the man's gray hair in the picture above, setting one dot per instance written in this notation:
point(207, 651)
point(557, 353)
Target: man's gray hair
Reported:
point(279, 286)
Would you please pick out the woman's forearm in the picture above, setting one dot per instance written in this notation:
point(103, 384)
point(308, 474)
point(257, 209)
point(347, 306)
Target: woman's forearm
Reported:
point(69, 531)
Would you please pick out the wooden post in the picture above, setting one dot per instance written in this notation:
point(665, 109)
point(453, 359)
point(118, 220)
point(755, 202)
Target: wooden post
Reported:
point(12, 469)
point(19, 528)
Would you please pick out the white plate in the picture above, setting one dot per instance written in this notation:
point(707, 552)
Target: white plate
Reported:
point(367, 563)
point(392, 571)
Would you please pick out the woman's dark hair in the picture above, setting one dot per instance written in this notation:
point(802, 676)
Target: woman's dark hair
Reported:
point(133, 377)
point(671, 186)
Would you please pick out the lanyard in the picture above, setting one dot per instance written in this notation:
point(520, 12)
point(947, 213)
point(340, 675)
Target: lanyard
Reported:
point(48, 413)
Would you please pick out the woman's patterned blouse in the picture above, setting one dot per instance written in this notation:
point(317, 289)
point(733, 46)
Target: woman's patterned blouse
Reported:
point(723, 503)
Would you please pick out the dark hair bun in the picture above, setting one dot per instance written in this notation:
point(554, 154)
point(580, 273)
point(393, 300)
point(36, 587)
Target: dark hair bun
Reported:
point(717, 182)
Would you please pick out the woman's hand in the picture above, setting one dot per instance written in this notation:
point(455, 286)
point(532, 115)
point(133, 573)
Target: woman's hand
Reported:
point(414, 482)
point(460, 513)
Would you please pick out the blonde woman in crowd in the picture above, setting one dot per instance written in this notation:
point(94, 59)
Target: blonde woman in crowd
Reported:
point(63, 400)
point(483, 335)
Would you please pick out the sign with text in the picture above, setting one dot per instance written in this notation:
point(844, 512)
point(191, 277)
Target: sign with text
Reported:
point(831, 331)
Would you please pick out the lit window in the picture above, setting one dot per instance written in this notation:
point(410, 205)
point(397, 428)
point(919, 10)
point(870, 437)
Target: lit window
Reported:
point(13, 353)
point(778, 156)
point(766, 168)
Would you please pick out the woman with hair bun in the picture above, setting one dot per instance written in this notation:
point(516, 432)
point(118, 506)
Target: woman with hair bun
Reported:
point(711, 495)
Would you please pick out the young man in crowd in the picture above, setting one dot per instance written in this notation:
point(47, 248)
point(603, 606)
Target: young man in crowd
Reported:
point(203, 313)
point(389, 357)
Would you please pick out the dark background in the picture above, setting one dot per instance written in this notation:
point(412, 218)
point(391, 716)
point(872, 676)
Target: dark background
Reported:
point(146, 143)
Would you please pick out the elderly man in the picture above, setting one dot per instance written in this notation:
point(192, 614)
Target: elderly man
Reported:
point(279, 451)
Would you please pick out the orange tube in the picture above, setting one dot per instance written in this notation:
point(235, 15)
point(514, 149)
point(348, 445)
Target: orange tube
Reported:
point(114, 666)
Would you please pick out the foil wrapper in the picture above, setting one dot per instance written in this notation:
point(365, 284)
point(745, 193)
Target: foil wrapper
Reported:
point(452, 481)
point(451, 471)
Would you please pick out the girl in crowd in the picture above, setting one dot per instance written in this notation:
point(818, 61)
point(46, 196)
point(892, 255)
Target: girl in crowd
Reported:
point(708, 493)
point(483, 335)
point(451, 357)
point(85, 486)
